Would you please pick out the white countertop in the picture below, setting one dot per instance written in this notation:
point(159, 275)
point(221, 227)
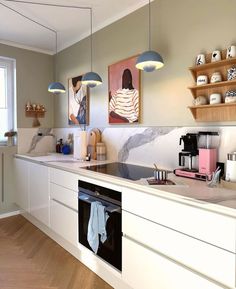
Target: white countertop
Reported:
point(191, 192)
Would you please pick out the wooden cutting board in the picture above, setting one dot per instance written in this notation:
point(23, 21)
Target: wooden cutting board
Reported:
point(94, 136)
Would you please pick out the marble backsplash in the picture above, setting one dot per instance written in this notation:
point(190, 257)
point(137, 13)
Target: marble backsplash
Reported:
point(137, 145)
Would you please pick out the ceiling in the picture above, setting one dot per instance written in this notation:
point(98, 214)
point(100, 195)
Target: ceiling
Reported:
point(72, 25)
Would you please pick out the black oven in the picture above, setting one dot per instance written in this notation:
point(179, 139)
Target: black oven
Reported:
point(110, 250)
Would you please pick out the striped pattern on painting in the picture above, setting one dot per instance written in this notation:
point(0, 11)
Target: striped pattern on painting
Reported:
point(125, 102)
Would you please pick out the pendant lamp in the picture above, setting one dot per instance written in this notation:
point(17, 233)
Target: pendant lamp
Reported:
point(56, 87)
point(149, 60)
point(91, 79)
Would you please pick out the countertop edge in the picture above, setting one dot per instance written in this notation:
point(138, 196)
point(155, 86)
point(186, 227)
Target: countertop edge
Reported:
point(215, 208)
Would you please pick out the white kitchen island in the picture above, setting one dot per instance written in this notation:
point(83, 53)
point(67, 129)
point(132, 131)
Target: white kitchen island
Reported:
point(174, 237)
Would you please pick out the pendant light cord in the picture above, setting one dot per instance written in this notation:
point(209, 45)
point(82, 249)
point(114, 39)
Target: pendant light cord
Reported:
point(50, 4)
point(26, 17)
point(149, 23)
point(91, 38)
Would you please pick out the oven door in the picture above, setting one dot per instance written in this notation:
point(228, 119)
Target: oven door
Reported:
point(110, 250)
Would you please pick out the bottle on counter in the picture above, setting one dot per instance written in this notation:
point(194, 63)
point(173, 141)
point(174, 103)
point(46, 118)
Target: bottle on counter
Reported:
point(59, 145)
point(101, 151)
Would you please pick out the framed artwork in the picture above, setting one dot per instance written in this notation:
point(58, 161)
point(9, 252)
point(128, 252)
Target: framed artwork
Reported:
point(78, 102)
point(124, 92)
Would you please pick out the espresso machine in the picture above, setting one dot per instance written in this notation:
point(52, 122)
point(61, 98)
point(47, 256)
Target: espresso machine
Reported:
point(198, 148)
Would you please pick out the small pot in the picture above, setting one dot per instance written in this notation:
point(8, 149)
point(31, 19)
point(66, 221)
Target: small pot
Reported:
point(160, 175)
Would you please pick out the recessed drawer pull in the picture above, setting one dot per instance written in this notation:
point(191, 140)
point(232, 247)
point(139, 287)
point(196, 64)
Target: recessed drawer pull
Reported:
point(68, 207)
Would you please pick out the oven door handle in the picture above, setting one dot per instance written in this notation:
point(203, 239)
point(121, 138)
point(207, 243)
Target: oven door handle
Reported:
point(110, 208)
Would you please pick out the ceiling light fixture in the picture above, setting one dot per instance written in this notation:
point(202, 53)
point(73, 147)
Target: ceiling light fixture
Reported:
point(149, 60)
point(91, 79)
point(56, 87)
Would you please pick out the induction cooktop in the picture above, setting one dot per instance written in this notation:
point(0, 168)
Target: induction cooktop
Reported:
point(122, 170)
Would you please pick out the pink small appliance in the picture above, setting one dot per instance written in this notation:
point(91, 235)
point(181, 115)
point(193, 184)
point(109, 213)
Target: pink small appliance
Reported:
point(198, 146)
point(207, 143)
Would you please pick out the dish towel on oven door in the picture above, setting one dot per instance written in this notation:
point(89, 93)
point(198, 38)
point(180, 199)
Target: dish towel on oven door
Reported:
point(97, 225)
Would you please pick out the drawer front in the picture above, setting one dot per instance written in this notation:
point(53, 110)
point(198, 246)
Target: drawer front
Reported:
point(64, 222)
point(143, 268)
point(208, 226)
point(207, 259)
point(63, 195)
point(65, 179)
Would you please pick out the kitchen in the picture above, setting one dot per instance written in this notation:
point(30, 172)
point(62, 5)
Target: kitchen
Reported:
point(181, 30)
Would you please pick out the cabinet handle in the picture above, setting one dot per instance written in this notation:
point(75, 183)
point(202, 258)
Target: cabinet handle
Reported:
point(68, 207)
point(2, 177)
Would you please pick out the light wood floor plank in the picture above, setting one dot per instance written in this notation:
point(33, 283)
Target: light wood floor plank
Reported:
point(29, 259)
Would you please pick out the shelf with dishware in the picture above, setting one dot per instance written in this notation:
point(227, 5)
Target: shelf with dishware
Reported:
point(219, 87)
point(214, 112)
point(224, 84)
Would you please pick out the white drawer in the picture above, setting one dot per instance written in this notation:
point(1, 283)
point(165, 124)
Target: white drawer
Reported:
point(65, 179)
point(207, 259)
point(208, 226)
point(63, 195)
point(64, 222)
point(143, 268)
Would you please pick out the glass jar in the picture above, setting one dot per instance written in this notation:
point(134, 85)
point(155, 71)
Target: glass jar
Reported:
point(101, 151)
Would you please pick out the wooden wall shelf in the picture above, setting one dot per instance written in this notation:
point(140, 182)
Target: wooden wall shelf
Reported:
point(34, 113)
point(212, 66)
point(208, 89)
point(214, 112)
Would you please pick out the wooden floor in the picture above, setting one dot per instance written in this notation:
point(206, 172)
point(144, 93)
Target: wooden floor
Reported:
point(29, 259)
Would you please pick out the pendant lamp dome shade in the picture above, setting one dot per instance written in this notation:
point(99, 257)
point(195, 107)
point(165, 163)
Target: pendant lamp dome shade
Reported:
point(149, 61)
point(56, 87)
point(91, 79)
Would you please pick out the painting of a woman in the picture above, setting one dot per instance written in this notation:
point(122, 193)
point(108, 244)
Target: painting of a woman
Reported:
point(78, 101)
point(124, 97)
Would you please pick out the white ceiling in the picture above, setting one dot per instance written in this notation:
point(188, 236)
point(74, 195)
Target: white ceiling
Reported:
point(72, 24)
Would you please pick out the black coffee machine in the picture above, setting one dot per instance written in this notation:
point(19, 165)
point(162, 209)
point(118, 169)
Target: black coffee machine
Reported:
point(190, 150)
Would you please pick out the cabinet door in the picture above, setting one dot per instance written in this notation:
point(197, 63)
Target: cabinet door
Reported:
point(8, 186)
point(144, 268)
point(21, 173)
point(64, 212)
point(64, 221)
point(39, 192)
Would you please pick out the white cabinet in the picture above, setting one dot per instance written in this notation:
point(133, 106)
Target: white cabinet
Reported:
point(201, 257)
point(7, 188)
point(64, 204)
point(170, 236)
point(39, 192)
point(211, 227)
point(144, 268)
point(21, 172)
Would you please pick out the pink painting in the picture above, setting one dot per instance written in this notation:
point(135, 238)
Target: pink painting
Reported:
point(124, 92)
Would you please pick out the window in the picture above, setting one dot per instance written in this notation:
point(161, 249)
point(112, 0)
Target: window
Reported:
point(7, 96)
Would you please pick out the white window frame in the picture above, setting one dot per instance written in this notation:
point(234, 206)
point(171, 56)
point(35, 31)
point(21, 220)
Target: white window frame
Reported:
point(10, 65)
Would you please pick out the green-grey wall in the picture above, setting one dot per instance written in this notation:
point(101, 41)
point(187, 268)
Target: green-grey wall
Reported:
point(34, 71)
point(180, 30)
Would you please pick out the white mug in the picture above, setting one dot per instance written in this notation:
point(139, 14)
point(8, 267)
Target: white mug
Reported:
point(216, 56)
point(216, 77)
point(202, 79)
point(200, 100)
point(231, 51)
point(201, 59)
point(215, 98)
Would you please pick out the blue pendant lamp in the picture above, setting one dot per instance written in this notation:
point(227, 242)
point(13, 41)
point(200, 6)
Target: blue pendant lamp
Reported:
point(91, 79)
point(56, 87)
point(149, 60)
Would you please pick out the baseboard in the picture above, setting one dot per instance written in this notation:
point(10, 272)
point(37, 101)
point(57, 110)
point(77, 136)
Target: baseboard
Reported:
point(9, 214)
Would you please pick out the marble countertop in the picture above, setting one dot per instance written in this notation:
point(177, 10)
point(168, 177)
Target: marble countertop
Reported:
point(191, 192)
